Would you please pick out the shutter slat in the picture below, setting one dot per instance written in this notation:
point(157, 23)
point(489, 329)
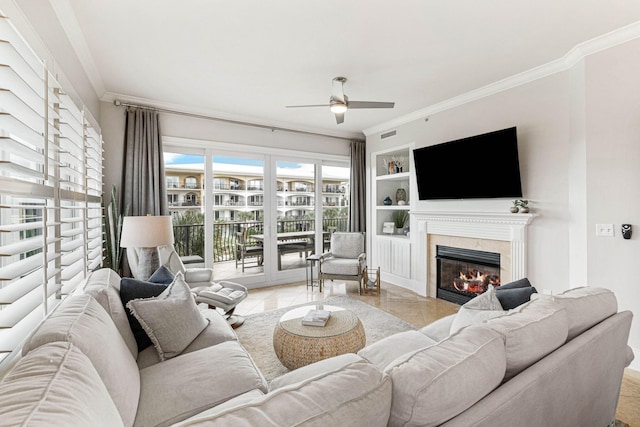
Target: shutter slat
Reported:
point(16, 290)
point(14, 313)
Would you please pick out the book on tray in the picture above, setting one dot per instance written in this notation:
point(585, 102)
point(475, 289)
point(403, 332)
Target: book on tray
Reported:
point(316, 318)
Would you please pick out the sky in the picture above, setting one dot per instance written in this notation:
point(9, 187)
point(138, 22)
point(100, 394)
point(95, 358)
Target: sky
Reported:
point(183, 159)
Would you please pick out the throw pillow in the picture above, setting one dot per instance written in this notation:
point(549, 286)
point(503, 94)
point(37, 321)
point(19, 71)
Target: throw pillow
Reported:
point(513, 297)
point(172, 319)
point(520, 283)
point(478, 310)
point(162, 275)
point(131, 289)
point(485, 301)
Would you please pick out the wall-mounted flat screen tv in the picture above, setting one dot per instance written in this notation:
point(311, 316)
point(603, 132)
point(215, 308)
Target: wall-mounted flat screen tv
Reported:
point(478, 167)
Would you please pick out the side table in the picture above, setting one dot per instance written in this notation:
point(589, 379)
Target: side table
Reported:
point(312, 262)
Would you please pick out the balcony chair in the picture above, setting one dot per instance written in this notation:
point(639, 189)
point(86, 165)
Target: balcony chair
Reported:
point(246, 249)
point(223, 295)
point(346, 260)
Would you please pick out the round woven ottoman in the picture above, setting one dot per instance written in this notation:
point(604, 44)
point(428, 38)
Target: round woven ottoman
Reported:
point(298, 345)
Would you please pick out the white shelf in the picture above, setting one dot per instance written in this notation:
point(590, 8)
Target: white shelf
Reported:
point(393, 207)
point(401, 176)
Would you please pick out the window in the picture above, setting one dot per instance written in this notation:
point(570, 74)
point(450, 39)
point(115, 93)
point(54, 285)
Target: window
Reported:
point(50, 193)
point(173, 181)
point(191, 182)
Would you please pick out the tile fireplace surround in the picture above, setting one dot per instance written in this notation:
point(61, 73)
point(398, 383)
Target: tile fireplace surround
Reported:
point(505, 233)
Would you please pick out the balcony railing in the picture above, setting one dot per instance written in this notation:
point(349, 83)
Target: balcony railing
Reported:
point(189, 239)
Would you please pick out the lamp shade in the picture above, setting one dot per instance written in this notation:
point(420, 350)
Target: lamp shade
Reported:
point(146, 231)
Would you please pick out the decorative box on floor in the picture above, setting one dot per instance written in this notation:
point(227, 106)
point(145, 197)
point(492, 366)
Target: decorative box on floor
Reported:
point(371, 281)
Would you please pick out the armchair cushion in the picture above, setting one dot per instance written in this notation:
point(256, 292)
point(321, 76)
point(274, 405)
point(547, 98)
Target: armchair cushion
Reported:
point(341, 266)
point(162, 275)
point(347, 245)
point(172, 319)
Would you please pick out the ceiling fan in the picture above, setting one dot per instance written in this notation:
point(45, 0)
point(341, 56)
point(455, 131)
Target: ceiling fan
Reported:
point(339, 102)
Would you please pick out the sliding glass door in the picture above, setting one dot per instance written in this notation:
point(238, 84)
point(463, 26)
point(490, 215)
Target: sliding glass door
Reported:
point(253, 218)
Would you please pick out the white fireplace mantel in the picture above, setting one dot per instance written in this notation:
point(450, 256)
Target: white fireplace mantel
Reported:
point(477, 225)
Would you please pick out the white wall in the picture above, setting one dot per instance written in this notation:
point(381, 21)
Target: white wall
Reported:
point(613, 173)
point(579, 143)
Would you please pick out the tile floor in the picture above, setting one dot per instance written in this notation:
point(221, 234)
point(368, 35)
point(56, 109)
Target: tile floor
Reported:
point(417, 310)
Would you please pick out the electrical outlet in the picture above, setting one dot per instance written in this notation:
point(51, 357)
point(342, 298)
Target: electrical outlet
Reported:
point(604, 230)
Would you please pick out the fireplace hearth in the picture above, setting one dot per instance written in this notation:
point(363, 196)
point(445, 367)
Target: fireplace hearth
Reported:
point(463, 274)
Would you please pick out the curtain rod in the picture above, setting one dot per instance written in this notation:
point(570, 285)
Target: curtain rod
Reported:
point(118, 103)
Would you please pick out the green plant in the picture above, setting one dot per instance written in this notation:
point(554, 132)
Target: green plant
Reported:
point(400, 218)
point(523, 203)
point(114, 232)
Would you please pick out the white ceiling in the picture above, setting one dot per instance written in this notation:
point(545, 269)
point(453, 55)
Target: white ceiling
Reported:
point(247, 59)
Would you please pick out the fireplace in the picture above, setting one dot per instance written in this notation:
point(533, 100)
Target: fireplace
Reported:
point(462, 274)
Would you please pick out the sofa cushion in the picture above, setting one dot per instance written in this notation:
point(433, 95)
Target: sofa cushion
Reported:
point(104, 286)
point(131, 289)
point(322, 367)
point(530, 332)
point(434, 384)
point(172, 320)
point(386, 350)
point(181, 387)
point(216, 332)
point(514, 297)
point(467, 317)
point(357, 394)
point(440, 329)
point(56, 384)
point(80, 320)
point(586, 306)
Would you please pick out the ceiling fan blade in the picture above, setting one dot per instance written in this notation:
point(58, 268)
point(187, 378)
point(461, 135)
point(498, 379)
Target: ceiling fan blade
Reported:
point(337, 91)
point(303, 106)
point(370, 104)
point(339, 117)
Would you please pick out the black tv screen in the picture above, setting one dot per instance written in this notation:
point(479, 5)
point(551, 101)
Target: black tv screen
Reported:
point(478, 167)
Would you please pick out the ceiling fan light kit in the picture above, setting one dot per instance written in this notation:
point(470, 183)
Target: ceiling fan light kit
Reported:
point(339, 102)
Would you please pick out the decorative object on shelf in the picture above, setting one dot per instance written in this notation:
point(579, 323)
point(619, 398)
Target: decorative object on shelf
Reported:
point(402, 203)
point(400, 220)
point(405, 230)
point(520, 205)
point(389, 166)
point(387, 227)
point(626, 231)
point(387, 201)
point(401, 195)
point(399, 163)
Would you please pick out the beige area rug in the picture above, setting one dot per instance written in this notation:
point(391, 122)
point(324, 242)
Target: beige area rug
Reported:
point(256, 334)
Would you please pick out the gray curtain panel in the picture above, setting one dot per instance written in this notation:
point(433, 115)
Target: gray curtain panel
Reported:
point(357, 204)
point(143, 181)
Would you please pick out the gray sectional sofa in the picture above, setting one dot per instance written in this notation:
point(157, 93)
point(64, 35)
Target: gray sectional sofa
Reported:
point(553, 361)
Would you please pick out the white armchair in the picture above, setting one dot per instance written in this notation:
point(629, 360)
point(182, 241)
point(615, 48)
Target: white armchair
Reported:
point(346, 260)
point(223, 295)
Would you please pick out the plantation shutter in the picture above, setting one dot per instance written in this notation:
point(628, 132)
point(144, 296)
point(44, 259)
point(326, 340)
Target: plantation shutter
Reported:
point(50, 191)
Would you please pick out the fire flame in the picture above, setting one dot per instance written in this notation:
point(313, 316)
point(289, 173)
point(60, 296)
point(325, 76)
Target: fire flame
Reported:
point(474, 281)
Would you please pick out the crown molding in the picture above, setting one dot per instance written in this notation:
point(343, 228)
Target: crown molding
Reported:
point(71, 27)
point(575, 55)
point(184, 109)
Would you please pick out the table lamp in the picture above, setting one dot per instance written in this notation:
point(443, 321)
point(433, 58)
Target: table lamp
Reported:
point(146, 233)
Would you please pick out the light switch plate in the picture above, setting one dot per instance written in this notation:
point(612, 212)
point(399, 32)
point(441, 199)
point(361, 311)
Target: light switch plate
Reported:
point(604, 230)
